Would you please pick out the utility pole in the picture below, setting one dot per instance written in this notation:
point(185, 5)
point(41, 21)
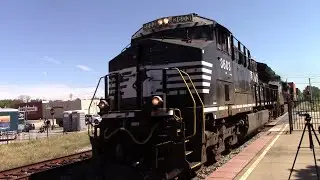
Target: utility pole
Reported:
point(26, 112)
point(310, 89)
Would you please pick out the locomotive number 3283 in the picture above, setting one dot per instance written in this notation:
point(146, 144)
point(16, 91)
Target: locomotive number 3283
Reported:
point(224, 64)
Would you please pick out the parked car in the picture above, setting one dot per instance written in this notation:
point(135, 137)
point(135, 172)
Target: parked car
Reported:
point(92, 119)
point(28, 127)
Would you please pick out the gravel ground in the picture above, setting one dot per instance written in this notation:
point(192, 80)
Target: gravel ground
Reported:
point(207, 170)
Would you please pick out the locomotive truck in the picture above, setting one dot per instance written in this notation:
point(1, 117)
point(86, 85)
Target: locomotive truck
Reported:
point(183, 92)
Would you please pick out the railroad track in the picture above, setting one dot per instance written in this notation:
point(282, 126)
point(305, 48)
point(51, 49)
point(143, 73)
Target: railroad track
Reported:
point(26, 172)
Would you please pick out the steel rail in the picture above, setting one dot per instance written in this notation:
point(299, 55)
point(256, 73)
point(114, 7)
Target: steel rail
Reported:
point(26, 171)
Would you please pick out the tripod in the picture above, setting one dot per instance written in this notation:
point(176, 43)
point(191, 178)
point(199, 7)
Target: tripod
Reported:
point(310, 128)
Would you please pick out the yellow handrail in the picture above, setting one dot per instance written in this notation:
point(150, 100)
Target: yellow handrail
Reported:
point(202, 105)
point(177, 118)
point(194, 103)
point(153, 128)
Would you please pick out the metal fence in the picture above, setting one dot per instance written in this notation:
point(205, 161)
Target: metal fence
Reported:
point(296, 109)
point(7, 136)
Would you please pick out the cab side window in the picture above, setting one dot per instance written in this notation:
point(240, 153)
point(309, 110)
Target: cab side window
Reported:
point(223, 40)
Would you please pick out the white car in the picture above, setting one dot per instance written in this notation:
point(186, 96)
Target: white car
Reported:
point(93, 119)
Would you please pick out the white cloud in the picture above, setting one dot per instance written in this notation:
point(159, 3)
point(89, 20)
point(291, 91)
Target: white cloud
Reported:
point(49, 91)
point(51, 60)
point(44, 73)
point(83, 67)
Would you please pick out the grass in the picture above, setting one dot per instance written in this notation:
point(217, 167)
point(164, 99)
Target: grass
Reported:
point(24, 153)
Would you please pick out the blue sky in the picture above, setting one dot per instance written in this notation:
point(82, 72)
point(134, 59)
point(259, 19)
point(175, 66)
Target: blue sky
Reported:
point(43, 41)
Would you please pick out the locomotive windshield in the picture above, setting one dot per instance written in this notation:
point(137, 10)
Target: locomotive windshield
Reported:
point(196, 33)
point(190, 26)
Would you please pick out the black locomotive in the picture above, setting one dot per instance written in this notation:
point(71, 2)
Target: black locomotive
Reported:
point(183, 92)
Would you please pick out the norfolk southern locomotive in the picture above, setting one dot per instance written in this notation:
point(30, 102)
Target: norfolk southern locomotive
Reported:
point(182, 93)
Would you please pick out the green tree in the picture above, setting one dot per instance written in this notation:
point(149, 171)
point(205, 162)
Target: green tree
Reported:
point(313, 90)
point(5, 103)
point(9, 103)
point(299, 93)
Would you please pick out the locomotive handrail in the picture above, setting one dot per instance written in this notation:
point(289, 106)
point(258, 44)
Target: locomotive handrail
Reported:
point(192, 97)
point(94, 94)
point(194, 104)
point(179, 117)
point(181, 73)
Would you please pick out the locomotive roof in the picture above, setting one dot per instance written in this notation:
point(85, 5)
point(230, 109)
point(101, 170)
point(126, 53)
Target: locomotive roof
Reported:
point(266, 73)
point(172, 22)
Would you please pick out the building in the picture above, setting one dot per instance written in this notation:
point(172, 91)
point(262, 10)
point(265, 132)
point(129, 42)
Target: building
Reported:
point(41, 109)
point(9, 119)
point(292, 90)
point(33, 109)
point(60, 106)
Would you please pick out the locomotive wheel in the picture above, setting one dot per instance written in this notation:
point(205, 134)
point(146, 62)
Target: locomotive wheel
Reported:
point(218, 157)
point(210, 157)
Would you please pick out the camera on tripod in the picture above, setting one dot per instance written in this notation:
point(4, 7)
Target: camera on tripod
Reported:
point(305, 114)
point(309, 127)
point(308, 117)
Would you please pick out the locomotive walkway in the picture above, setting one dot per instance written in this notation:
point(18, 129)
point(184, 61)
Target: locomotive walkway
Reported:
point(271, 157)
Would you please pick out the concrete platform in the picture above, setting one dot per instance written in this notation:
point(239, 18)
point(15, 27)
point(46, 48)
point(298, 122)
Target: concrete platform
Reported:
point(276, 159)
point(271, 157)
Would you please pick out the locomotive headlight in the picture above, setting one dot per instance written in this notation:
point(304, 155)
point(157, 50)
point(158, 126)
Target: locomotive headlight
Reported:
point(104, 107)
point(165, 20)
point(156, 101)
point(96, 121)
point(103, 104)
point(160, 21)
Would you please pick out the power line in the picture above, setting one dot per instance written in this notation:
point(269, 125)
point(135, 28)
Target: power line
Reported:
point(306, 83)
point(301, 76)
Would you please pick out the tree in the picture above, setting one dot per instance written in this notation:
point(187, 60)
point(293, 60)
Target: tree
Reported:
point(299, 93)
point(35, 100)
point(15, 102)
point(5, 103)
point(9, 103)
point(311, 90)
point(24, 98)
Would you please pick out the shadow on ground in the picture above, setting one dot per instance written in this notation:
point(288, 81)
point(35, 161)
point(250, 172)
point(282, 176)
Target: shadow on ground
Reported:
point(306, 173)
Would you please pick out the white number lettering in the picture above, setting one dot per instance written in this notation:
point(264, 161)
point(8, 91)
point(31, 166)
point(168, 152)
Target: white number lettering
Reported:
point(224, 64)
